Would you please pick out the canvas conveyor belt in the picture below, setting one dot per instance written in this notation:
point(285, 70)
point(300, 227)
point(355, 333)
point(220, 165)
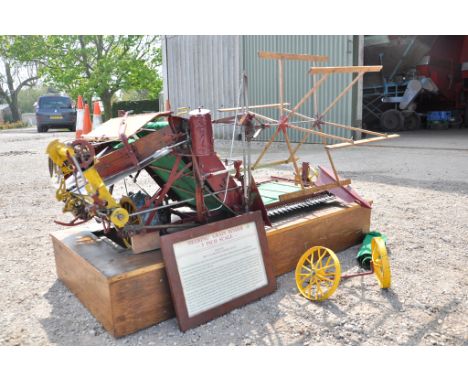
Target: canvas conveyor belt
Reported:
point(304, 204)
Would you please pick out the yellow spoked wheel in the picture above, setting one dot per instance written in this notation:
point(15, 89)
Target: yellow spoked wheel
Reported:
point(318, 273)
point(129, 205)
point(381, 263)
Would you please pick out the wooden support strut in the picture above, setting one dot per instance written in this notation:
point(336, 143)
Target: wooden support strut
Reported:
point(271, 120)
point(320, 134)
point(292, 152)
point(273, 163)
point(314, 79)
point(344, 69)
point(294, 159)
point(345, 90)
point(270, 141)
point(312, 190)
point(323, 135)
point(281, 86)
point(308, 94)
point(352, 128)
point(270, 105)
point(264, 150)
point(330, 159)
point(361, 142)
point(346, 127)
point(305, 136)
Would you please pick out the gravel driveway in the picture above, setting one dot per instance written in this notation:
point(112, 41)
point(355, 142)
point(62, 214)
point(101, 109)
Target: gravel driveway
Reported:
point(419, 184)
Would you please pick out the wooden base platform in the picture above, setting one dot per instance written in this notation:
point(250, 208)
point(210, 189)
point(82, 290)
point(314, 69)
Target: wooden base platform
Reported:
point(128, 292)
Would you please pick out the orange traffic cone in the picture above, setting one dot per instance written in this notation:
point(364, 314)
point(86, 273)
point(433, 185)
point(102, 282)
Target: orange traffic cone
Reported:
point(97, 117)
point(79, 117)
point(87, 120)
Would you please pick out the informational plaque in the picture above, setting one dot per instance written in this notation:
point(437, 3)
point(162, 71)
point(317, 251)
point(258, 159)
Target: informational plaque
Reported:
point(217, 267)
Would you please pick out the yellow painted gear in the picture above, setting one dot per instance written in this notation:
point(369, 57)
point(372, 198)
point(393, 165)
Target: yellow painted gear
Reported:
point(57, 152)
point(318, 273)
point(381, 263)
point(119, 217)
point(129, 205)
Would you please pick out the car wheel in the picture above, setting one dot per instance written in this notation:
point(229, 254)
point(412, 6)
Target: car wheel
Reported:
point(72, 128)
point(392, 120)
point(412, 120)
point(40, 129)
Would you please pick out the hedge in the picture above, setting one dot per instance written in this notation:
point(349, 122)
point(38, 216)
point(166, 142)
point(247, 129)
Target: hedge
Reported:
point(138, 107)
point(12, 125)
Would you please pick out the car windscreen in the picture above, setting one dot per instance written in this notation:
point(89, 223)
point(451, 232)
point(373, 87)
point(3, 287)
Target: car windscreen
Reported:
point(55, 103)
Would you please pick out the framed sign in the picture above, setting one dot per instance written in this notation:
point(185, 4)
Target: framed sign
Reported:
point(217, 267)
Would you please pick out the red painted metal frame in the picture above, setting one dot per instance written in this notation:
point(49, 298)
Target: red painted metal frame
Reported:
point(199, 199)
point(350, 275)
point(158, 198)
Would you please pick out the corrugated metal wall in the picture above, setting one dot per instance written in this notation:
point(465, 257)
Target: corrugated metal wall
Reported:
point(263, 77)
point(205, 70)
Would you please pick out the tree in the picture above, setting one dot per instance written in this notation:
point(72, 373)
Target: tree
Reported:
point(95, 65)
point(18, 68)
point(28, 96)
point(134, 95)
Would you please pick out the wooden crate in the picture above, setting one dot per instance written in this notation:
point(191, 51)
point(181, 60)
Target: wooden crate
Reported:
point(127, 292)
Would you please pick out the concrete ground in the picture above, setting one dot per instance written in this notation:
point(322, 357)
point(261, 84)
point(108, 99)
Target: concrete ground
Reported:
point(419, 185)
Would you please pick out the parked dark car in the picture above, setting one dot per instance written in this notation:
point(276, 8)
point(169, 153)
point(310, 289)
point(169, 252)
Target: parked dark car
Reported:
point(54, 111)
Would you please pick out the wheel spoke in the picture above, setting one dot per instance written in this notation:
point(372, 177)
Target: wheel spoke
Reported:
point(319, 288)
point(305, 278)
point(319, 260)
point(310, 270)
point(325, 278)
point(310, 290)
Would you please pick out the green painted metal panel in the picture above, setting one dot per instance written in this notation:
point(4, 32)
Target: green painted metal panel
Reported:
point(183, 187)
point(263, 77)
point(271, 191)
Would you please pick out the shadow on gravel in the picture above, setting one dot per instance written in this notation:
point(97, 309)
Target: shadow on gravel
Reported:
point(68, 323)
point(451, 187)
point(434, 324)
point(392, 298)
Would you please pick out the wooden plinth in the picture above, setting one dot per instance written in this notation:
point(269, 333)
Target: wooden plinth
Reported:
point(127, 292)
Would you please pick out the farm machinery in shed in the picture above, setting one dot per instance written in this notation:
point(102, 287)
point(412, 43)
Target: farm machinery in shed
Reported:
point(195, 187)
point(424, 84)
